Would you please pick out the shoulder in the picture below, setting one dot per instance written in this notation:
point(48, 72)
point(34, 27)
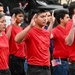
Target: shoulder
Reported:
point(68, 26)
point(55, 29)
point(4, 35)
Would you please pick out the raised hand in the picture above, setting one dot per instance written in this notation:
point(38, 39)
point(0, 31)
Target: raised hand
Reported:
point(13, 19)
point(52, 18)
point(32, 23)
point(73, 23)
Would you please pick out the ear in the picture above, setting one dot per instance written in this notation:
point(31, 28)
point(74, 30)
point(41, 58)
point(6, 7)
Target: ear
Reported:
point(61, 19)
point(74, 11)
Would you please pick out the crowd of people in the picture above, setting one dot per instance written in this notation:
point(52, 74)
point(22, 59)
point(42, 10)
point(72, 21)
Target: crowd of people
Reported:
point(31, 45)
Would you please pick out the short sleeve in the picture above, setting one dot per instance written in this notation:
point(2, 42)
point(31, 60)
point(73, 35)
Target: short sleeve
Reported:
point(68, 27)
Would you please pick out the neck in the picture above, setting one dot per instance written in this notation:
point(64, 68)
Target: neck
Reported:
point(39, 26)
point(0, 33)
point(16, 24)
point(62, 25)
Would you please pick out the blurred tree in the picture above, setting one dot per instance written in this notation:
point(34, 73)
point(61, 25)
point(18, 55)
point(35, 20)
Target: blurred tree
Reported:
point(68, 1)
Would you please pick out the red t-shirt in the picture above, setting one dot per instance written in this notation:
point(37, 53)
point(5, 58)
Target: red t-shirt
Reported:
point(4, 52)
point(15, 48)
point(60, 47)
point(72, 47)
point(38, 43)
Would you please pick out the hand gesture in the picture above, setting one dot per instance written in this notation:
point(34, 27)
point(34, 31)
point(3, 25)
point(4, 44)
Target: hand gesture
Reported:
point(32, 23)
point(13, 19)
point(52, 18)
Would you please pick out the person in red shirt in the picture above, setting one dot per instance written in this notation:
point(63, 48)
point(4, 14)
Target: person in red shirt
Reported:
point(4, 48)
point(37, 40)
point(60, 52)
point(17, 54)
point(70, 39)
point(48, 19)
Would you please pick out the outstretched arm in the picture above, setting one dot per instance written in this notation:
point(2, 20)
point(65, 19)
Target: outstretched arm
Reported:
point(20, 36)
point(70, 37)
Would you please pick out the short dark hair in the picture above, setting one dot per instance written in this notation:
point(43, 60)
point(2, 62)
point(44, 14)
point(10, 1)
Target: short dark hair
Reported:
point(35, 11)
point(17, 11)
point(71, 8)
point(1, 4)
point(60, 14)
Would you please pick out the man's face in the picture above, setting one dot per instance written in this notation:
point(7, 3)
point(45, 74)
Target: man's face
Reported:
point(1, 10)
point(66, 18)
point(48, 17)
point(19, 18)
point(2, 24)
point(41, 19)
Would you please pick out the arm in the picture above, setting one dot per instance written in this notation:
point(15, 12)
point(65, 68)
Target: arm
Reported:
point(51, 25)
point(20, 36)
point(13, 19)
point(51, 22)
point(8, 33)
point(70, 37)
point(51, 37)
